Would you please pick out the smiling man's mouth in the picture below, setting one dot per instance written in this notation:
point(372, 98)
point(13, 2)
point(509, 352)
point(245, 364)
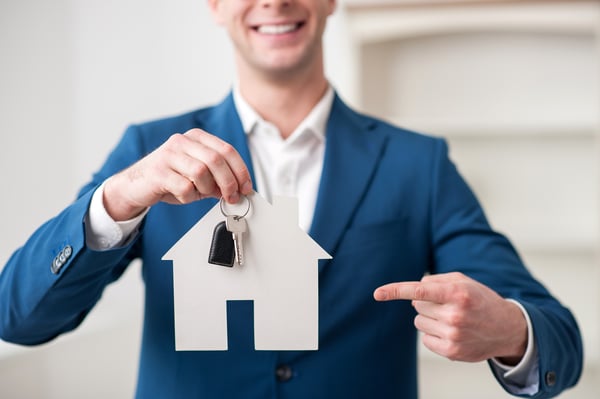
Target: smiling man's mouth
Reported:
point(278, 29)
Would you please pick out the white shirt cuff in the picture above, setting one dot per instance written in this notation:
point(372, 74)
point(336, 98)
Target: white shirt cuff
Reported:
point(101, 231)
point(522, 378)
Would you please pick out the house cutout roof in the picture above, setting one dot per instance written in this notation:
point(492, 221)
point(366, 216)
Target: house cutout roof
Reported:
point(280, 273)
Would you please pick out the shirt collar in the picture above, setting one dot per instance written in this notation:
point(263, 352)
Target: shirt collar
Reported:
point(315, 121)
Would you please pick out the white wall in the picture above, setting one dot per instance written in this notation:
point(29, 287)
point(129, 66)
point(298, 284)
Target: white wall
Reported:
point(36, 138)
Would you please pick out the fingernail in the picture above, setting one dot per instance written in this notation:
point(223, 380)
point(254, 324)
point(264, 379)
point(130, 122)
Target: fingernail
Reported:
point(382, 295)
point(234, 198)
point(247, 187)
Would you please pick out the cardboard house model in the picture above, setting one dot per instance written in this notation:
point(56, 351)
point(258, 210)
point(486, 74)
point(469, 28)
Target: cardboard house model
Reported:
point(279, 272)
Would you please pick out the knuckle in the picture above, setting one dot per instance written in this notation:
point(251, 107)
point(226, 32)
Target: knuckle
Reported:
point(242, 171)
point(175, 140)
point(456, 320)
point(213, 158)
point(195, 132)
point(395, 291)
point(420, 293)
point(451, 349)
point(417, 322)
point(229, 186)
point(189, 193)
point(183, 187)
point(453, 352)
point(227, 149)
point(454, 335)
point(462, 297)
point(458, 275)
point(198, 169)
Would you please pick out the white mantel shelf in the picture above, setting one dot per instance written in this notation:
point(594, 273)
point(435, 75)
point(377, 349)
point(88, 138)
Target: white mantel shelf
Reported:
point(381, 21)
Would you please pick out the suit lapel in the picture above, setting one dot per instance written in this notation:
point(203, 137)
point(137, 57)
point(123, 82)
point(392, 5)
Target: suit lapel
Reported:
point(351, 158)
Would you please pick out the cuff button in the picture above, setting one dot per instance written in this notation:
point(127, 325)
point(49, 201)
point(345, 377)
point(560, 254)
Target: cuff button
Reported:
point(60, 259)
point(550, 378)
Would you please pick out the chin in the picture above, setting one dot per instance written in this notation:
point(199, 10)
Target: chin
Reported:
point(289, 63)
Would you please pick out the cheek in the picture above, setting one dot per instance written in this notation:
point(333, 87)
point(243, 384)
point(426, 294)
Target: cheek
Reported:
point(237, 32)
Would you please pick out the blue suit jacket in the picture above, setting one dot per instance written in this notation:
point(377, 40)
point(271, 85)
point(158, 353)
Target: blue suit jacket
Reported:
point(391, 207)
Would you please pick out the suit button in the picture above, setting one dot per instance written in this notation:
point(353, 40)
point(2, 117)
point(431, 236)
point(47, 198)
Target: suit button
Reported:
point(284, 373)
point(550, 378)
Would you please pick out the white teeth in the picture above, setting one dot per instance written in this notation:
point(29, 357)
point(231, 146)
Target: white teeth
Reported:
point(276, 29)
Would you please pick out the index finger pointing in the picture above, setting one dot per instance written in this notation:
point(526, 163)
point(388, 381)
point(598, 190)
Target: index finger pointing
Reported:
point(411, 291)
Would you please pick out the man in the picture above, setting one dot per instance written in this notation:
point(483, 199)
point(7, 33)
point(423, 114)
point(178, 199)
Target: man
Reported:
point(387, 204)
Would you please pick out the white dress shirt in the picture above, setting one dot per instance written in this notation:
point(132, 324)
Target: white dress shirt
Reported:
point(290, 167)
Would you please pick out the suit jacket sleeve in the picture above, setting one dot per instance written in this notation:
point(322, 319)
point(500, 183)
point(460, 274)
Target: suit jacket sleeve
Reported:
point(463, 240)
point(40, 298)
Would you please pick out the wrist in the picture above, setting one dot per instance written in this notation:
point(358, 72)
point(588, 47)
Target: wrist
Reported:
point(117, 206)
point(517, 343)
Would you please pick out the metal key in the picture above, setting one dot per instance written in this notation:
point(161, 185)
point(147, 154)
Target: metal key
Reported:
point(236, 225)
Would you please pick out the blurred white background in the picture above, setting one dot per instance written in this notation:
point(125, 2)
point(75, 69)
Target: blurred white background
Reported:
point(513, 85)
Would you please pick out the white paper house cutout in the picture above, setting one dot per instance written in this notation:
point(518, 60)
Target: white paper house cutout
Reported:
point(280, 273)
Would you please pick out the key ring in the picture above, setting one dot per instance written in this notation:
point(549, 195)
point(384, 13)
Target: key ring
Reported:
point(237, 217)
